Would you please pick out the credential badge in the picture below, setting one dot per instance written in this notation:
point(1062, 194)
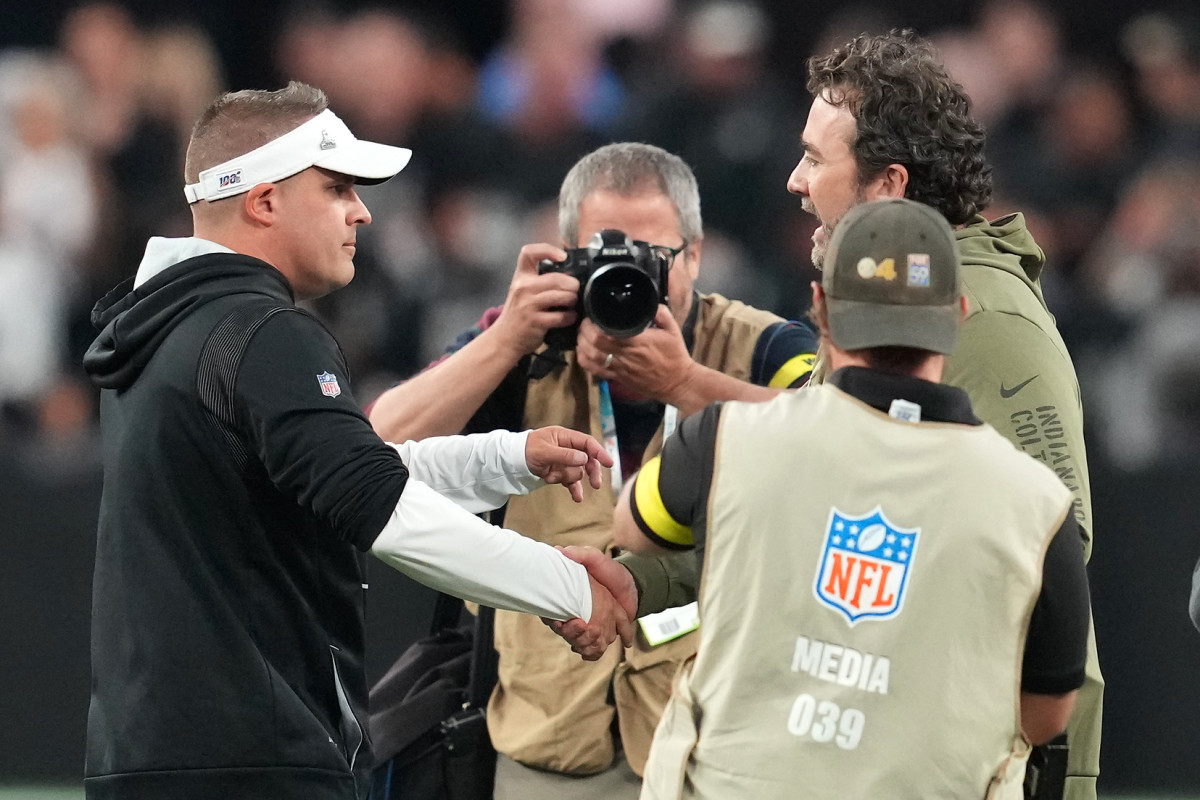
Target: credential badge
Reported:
point(329, 384)
point(864, 565)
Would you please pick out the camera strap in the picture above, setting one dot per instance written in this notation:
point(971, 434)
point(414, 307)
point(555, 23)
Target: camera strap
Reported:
point(672, 623)
point(608, 430)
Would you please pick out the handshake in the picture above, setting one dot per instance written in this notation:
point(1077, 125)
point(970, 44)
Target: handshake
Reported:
point(614, 605)
point(559, 455)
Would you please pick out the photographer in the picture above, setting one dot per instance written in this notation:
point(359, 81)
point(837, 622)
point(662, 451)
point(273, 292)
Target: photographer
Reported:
point(551, 711)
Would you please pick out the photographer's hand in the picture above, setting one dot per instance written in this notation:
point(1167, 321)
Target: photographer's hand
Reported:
point(653, 364)
point(656, 364)
point(535, 302)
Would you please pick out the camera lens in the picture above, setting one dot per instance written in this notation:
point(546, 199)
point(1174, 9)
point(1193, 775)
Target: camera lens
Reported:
point(621, 299)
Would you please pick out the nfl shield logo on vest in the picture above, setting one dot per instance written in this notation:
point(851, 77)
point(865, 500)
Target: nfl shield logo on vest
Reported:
point(864, 565)
point(329, 384)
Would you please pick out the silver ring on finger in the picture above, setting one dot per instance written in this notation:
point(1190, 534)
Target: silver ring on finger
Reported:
point(608, 359)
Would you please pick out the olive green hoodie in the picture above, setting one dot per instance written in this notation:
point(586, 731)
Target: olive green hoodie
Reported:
point(1012, 362)
point(1011, 359)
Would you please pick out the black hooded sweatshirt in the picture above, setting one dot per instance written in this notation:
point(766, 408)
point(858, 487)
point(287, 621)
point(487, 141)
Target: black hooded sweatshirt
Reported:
point(242, 485)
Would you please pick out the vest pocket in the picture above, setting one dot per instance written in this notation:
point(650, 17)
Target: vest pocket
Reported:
point(351, 730)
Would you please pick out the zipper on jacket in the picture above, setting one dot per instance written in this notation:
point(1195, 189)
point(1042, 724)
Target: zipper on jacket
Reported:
point(352, 732)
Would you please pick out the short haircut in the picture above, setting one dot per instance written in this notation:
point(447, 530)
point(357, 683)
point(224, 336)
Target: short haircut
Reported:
point(238, 122)
point(630, 169)
point(908, 111)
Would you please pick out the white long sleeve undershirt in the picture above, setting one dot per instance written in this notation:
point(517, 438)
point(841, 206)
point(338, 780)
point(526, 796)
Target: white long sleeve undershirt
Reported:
point(478, 472)
point(433, 538)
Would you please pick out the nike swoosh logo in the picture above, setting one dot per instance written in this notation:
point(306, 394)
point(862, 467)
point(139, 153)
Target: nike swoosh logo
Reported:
point(1007, 393)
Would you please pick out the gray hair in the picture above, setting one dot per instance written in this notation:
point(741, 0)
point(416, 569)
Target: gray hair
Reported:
point(238, 122)
point(629, 169)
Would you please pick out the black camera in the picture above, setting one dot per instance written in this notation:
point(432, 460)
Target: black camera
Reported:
point(621, 283)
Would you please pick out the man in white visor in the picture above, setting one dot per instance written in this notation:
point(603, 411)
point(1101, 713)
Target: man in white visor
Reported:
point(243, 485)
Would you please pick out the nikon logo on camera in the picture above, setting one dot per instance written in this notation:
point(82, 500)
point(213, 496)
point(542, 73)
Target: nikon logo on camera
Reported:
point(615, 251)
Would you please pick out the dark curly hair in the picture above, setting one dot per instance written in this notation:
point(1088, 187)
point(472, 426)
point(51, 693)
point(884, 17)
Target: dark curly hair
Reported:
point(909, 111)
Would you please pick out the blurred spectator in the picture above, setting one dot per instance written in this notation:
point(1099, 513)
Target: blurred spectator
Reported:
point(142, 91)
point(47, 218)
point(1026, 38)
point(103, 43)
point(1018, 61)
point(1150, 249)
point(1164, 48)
point(1084, 146)
point(848, 20)
point(723, 112)
point(1151, 417)
point(181, 78)
point(445, 229)
point(1146, 268)
point(306, 46)
point(549, 90)
point(1062, 136)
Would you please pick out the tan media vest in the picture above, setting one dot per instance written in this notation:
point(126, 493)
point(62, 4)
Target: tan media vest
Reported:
point(790, 698)
point(551, 709)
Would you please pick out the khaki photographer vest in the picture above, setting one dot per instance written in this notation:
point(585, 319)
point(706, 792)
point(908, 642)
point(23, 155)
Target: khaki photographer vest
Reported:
point(787, 697)
point(551, 709)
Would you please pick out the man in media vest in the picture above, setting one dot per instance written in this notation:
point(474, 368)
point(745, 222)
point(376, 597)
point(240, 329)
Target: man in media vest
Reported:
point(894, 601)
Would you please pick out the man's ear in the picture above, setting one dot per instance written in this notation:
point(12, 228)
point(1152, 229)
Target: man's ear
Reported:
point(817, 314)
point(891, 183)
point(964, 307)
point(261, 203)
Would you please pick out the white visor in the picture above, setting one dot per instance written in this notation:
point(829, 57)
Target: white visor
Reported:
point(324, 141)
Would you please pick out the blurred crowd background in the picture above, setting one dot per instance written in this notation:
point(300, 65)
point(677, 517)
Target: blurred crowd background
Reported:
point(1096, 138)
point(1093, 118)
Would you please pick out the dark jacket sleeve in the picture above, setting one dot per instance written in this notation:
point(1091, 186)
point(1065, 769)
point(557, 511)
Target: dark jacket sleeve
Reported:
point(296, 409)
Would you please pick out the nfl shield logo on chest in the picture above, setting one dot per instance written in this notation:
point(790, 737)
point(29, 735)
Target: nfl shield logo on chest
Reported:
point(329, 384)
point(864, 565)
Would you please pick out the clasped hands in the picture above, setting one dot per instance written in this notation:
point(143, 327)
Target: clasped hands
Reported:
point(614, 605)
point(561, 455)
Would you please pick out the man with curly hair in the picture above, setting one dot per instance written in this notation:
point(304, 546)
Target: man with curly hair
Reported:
point(887, 120)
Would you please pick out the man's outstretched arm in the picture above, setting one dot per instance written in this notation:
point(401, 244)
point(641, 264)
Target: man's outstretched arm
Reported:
point(481, 471)
point(446, 548)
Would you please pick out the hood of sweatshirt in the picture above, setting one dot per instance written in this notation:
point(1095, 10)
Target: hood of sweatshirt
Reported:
point(134, 320)
point(1004, 244)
